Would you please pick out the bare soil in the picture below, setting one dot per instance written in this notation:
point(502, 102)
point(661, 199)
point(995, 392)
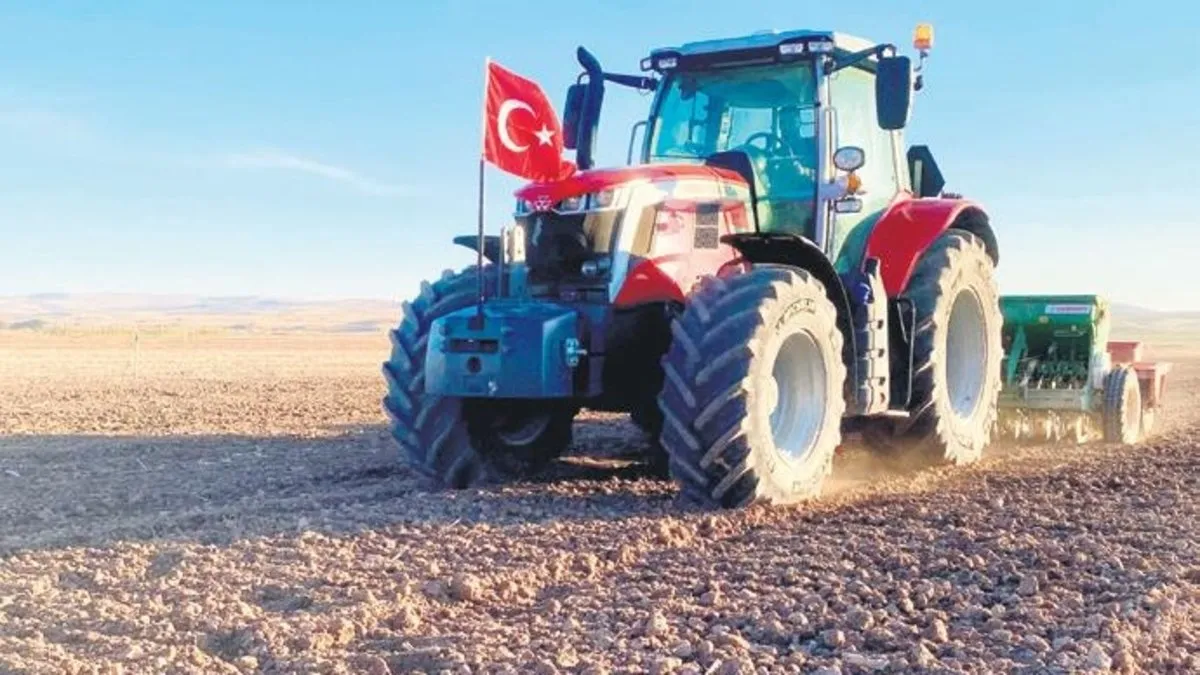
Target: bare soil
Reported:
point(234, 505)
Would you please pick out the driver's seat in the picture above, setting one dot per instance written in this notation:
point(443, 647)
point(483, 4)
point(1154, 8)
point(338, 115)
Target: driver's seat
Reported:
point(754, 171)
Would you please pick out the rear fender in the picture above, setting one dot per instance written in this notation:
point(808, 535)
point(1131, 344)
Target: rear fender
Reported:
point(910, 226)
point(794, 250)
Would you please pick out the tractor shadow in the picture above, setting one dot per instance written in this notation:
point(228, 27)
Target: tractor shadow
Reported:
point(92, 491)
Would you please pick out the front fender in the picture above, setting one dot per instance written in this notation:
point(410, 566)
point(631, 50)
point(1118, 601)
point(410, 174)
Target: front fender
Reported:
point(491, 245)
point(794, 250)
point(797, 251)
point(910, 226)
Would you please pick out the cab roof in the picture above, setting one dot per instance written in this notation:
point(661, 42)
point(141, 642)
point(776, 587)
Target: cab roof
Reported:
point(764, 40)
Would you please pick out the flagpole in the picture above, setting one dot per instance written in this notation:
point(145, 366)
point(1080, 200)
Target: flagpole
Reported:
point(479, 244)
point(482, 158)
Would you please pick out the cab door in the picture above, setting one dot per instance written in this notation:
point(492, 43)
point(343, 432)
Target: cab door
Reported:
point(852, 95)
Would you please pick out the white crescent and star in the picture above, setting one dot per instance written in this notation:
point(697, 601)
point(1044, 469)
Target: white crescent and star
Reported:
point(506, 108)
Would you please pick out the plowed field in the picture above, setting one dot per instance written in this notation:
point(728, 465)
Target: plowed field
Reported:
point(230, 505)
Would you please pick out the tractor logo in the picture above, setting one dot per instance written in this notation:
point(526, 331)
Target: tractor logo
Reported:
point(1068, 309)
point(541, 203)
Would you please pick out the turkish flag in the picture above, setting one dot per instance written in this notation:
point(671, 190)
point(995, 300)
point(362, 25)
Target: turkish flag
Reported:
point(522, 134)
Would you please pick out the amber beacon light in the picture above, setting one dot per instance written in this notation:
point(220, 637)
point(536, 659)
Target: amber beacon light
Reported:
point(923, 37)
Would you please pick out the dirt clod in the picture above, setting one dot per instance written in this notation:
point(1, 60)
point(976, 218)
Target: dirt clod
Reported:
point(665, 665)
point(921, 656)
point(833, 638)
point(1098, 659)
point(369, 664)
point(937, 631)
point(1028, 586)
point(466, 588)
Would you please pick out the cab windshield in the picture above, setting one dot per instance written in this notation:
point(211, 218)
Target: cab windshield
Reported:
point(767, 111)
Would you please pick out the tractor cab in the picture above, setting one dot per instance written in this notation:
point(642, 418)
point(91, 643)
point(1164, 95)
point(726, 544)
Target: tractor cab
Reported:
point(810, 120)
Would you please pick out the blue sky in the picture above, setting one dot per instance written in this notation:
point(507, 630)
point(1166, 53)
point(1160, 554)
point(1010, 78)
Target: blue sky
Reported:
point(329, 149)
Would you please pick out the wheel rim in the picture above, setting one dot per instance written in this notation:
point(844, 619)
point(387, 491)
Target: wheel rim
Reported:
point(798, 404)
point(966, 354)
point(1133, 408)
point(517, 430)
point(511, 423)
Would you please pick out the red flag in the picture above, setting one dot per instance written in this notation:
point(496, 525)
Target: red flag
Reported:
point(522, 134)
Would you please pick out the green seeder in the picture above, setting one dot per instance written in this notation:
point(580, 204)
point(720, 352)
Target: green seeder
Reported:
point(1065, 380)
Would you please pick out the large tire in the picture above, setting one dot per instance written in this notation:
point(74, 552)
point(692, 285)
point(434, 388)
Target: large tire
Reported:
point(1122, 414)
point(454, 443)
point(737, 336)
point(957, 352)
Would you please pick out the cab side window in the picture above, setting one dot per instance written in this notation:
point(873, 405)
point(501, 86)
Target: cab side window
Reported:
point(853, 93)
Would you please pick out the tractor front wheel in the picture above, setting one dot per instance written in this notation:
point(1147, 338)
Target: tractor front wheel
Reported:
point(957, 351)
point(460, 443)
point(753, 396)
point(519, 438)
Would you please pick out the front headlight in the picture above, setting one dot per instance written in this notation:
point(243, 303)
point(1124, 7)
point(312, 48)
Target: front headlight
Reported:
point(572, 204)
point(604, 199)
point(595, 268)
point(608, 198)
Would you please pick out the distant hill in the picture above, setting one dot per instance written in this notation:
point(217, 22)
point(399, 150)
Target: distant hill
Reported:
point(45, 311)
point(1128, 312)
point(1134, 312)
point(1154, 326)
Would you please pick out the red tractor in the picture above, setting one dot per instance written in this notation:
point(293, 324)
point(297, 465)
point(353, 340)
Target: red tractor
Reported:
point(776, 271)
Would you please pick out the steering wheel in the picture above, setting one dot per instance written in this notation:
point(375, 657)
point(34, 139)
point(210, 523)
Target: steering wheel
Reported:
point(771, 141)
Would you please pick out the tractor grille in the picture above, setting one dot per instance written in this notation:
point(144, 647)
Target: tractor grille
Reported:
point(558, 245)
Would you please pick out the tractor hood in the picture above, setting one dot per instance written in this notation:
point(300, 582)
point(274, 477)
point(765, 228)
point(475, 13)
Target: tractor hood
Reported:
point(543, 196)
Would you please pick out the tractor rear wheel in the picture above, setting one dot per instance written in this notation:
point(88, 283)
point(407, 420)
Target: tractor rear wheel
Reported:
point(753, 396)
point(453, 442)
point(957, 352)
point(1122, 413)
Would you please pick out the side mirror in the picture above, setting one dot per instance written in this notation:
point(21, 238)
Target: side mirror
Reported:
point(571, 113)
point(849, 158)
point(893, 91)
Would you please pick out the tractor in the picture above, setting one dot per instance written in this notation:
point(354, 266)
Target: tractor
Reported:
point(776, 270)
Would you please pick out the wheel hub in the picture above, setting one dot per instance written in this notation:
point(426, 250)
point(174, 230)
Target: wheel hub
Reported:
point(798, 396)
point(966, 354)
